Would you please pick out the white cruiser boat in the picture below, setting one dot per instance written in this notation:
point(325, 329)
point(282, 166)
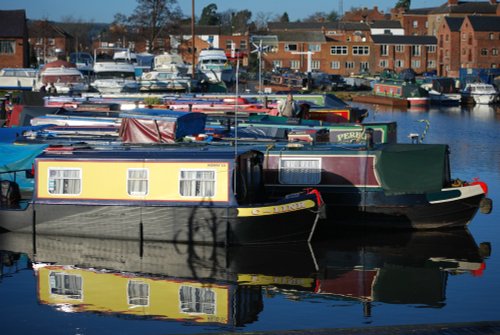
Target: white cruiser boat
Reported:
point(65, 77)
point(114, 75)
point(215, 66)
point(169, 74)
point(479, 93)
point(18, 79)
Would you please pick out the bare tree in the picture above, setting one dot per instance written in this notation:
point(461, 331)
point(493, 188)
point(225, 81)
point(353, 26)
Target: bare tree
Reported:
point(261, 20)
point(150, 17)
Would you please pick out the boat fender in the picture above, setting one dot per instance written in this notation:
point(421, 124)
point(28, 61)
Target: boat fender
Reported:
point(486, 205)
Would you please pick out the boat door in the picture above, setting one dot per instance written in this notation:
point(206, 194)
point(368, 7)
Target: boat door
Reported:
point(250, 183)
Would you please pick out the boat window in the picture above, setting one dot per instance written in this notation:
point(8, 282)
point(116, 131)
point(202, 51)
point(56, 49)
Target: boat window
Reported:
point(197, 183)
point(197, 300)
point(137, 181)
point(300, 171)
point(67, 285)
point(138, 293)
point(65, 181)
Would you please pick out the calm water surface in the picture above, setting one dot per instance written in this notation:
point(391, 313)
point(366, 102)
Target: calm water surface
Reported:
point(366, 279)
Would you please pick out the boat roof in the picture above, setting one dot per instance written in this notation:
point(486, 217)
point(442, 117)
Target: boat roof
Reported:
point(187, 152)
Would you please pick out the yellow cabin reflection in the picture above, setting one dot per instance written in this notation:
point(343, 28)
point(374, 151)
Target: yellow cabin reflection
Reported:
point(81, 290)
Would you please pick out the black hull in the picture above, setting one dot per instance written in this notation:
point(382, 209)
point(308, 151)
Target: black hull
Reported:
point(374, 209)
point(198, 225)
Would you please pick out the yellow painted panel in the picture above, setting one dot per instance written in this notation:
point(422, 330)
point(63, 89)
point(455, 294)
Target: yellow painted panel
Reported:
point(108, 292)
point(278, 209)
point(108, 180)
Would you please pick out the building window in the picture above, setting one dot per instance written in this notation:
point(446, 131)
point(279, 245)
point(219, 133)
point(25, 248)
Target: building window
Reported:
point(138, 293)
point(338, 50)
point(335, 65)
point(349, 65)
point(415, 50)
point(300, 171)
point(494, 52)
point(63, 284)
point(447, 37)
point(277, 63)
point(314, 47)
point(197, 300)
point(415, 64)
point(243, 45)
point(415, 24)
point(364, 66)
point(51, 41)
point(291, 47)
point(464, 36)
point(431, 64)
point(295, 64)
point(493, 66)
point(492, 36)
point(7, 47)
point(315, 65)
point(384, 50)
point(360, 50)
point(426, 24)
point(399, 63)
point(197, 183)
point(137, 181)
point(400, 48)
point(484, 52)
point(431, 48)
point(383, 63)
point(229, 44)
point(65, 181)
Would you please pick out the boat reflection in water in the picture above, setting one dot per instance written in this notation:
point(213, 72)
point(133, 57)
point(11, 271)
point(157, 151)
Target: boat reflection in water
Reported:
point(225, 286)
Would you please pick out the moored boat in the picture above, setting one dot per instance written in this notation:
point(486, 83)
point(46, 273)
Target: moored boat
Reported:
point(23, 79)
point(406, 186)
point(216, 197)
point(479, 93)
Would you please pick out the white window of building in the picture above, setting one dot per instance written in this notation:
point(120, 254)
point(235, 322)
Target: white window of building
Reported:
point(295, 64)
point(137, 181)
point(314, 47)
point(431, 48)
point(197, 183)
point(384, 50)
point(383, 63)
point(338, 50)
point(7, 47)
point(299, 171)
point(277, 63)
point(415, 64)
point(364, 66)
point(198, 300)
point(399, 63)
point(415, 24)
point(416, 50)
point(360, 50)
point(335, 65)
point(400, 48)
point(315, 64)
point(65, 181)
point(431, 64)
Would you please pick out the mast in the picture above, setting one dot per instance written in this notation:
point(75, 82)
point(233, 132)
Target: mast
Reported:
point(192, 38)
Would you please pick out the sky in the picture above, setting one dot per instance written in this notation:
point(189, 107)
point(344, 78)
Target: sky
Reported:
point(103, 11)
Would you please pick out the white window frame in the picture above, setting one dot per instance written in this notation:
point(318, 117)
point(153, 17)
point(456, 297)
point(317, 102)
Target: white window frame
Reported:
point(287, 47)
point(195, 180)
point(299, 175)
point(350, 65)
point(400, 48)
point(314, 47)
point(360, 50)
point(277, 63)
point(384, 50)
point(431, 64)
point(383, 63)
point(335, 65)
point(294, 64)
point(130, 182)
point(364, 66)
point(7, 47)
point(338, 50)
point(415, 24)
point(52, 182)
point(416, 50)
point(415, 64)
point(315, 65)
point(399, 63)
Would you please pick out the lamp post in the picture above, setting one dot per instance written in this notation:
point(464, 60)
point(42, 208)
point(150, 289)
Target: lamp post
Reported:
point(192, 38)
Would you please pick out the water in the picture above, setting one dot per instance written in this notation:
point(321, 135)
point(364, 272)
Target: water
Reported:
point(353, 280)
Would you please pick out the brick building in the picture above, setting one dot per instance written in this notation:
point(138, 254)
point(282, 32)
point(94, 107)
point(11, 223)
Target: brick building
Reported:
point(49, 41)
point(14, 47)
point(480, 42)
point(399, 52)
point(448, 34)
